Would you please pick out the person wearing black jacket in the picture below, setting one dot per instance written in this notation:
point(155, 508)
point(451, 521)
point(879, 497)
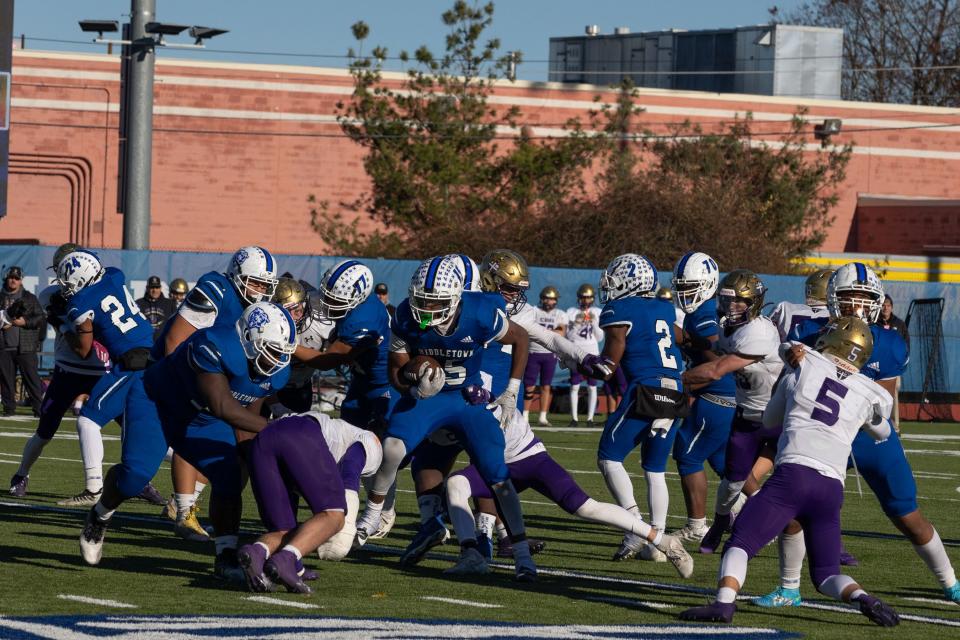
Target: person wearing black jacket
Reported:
point(155, 306)
point(22, 330)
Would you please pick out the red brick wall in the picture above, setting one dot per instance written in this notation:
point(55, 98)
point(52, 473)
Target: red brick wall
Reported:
point(240, 169)
point(907, 229)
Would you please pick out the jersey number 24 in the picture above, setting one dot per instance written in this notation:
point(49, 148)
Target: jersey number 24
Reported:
point(121, 316)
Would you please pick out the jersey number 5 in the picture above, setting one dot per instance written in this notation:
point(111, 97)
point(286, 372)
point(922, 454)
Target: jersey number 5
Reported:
point(664, 328)
point(831, 413)
point(118, 312)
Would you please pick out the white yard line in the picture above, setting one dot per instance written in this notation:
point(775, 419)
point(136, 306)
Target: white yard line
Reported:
point(643, 604)
point(945, 603)
point(282, 603)
point(97, 601)
point(466, 603)
point(65, 436)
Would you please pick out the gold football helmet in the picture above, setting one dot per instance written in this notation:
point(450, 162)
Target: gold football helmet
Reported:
point(585, 291)
point(62, 252)
point(816, 287)
point(179, 285)
point(665, 293)
point(505, 272)
point(291, 295)
point(847, 342)
point(740, 297)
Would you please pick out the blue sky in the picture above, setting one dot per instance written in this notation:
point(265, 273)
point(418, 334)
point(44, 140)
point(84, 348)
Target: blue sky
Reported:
point(323, 27)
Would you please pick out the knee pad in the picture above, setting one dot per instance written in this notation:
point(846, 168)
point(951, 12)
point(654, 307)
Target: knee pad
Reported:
point(394, 451)
point(458, 489)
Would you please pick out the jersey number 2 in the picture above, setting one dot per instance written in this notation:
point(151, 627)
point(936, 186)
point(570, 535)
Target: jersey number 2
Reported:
point(669, 361)
point(118, 311)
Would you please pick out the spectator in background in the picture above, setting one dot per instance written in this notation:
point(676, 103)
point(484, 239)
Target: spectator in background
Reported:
point(154, 306)
point(384, 294)
point(178, 291)
point(889, 321)
point(583, 329)
point(22, 329)
point(542, 363)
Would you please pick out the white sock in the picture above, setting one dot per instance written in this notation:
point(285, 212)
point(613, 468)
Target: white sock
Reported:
point(458, 505)
point(857, 594)
point(574, 401)
point(834, 585)
point(91, 450)
point(591, 402)
point(696, 523)
point(266, 549)
point(792, 550)
point(184, 502)
point(734, 565)
point(658, 498)
point(292, 549)
point(526, 415)
point(198, 489)
point(31, 453)
point(102, 512)
point(226, 542)
point(369, 521)
point(502, 533)
point(618, 481)
point(486, 523)
point(429, 507)
point(613, 515)
point(935, 556)
point(726, 595)
point(390, 502)
point(543, 416)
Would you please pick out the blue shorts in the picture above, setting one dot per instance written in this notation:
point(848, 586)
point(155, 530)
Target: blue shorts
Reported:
point(624, 432)
point(703, 437)
point(885, 468)
point(369, 408)
point(109, 397)
point(476, 427)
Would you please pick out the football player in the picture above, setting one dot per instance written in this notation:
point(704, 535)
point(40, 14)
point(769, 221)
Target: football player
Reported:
point(856, 291)
point(788, 315)
point(218, 299)
point(640, 337)
point(439, 320)
point(178, 290)
point(542, 363)
point(99, 308)
point(704, 433)
point(822, 404)
point(583, 328)
point(72, 376)
point(193, 400)
point(749, 346)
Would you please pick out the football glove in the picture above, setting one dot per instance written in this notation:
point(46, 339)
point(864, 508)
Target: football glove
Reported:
point(599, 367)
point(428, 385)
point(475, 394)
point(507, 401)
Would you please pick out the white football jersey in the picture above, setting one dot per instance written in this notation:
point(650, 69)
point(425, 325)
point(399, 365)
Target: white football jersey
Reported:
point(787, 315)
point(64, 356)
point(544, 339)
point(583, 328)
point(759, 339)
point(549, 320)
point(517, 434)
point(340, 435)
point(316, 336)
point(822, 414)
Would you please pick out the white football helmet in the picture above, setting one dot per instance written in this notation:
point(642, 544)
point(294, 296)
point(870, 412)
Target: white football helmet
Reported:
point(343, 287)
point(695, 279)
point(252, 269)
point(469, 269)
point(855, 290)
point(268, 335)
point(436, 289)
point(77, 270)
point(628, 275)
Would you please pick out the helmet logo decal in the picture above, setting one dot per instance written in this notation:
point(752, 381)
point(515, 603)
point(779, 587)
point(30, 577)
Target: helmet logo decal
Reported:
point(258, 318)
point(360, 284)
point(241, 256)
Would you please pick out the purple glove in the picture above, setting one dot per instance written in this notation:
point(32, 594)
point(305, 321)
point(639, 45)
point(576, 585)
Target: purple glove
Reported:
point(598, 367)
point(475, 394)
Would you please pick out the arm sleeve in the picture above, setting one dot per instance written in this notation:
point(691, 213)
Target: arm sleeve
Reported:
point(551, 340)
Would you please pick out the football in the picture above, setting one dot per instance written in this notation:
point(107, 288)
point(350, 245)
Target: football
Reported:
point(413, 369)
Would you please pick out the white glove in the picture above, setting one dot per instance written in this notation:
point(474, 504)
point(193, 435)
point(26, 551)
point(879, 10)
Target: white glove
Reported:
point(428, 385)
point(507, 401)
point(339, 544)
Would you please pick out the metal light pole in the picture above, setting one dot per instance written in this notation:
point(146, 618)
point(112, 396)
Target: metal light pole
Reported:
point(138, 161)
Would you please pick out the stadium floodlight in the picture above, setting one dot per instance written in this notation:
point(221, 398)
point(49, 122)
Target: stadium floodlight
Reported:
point(165, 28)
point(826, 129)
point(99, 26)
point(199, 34)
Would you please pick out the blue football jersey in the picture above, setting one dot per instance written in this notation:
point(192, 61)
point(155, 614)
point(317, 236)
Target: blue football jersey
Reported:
point(172, 382)
point(651, 352)
point(701, 325)
point(482, 319)
point(887, 360)
point(219, 297)
point(367, 326)
point(117, 322)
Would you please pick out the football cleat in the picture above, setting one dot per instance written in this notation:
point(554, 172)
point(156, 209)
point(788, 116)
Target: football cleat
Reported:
point(189, 528)
point(847, 559)
point(713, 612)
point(952, 593)
point(573, 424)
point(387, 518)
point(281, 568)
point(306, 573)
point(780, 597)
point(526, 571)
point(690, 533)
point(543, 422)
point(711, 540)
point(431, 533)
point(368, 524)
point(170, 509)
point(226, 566)
point(91, 539)
point(650, 552)
point(672, 549)
point(629, 547)
point(505, 547)
point(151, 495)
point(485, 546)
point(878, 611)
point(252, 558)
point(83, 499)
point(471, 563)
point(18, 486)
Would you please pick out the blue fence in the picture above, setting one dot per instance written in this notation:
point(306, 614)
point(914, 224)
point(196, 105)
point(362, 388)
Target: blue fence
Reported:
point(139, 265)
